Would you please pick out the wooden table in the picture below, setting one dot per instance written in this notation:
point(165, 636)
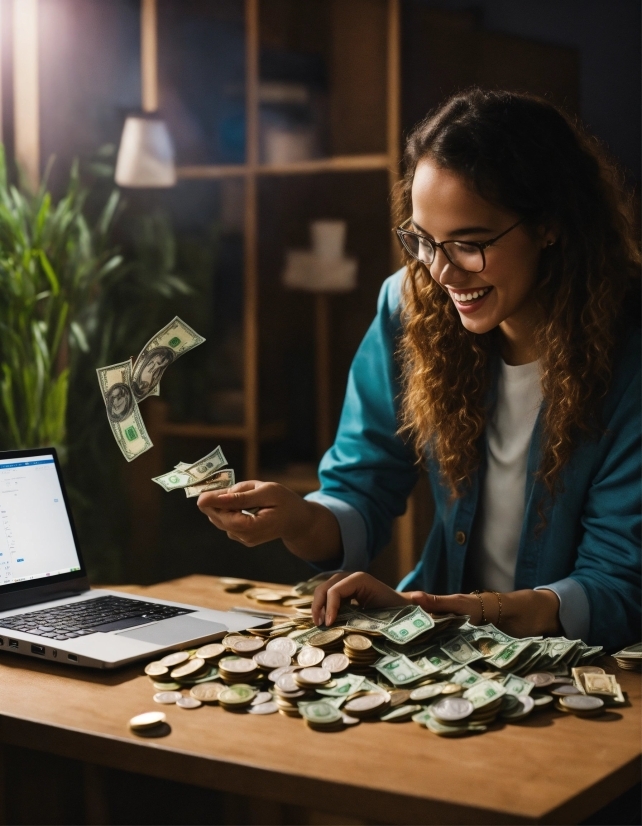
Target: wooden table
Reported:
point(552, 768)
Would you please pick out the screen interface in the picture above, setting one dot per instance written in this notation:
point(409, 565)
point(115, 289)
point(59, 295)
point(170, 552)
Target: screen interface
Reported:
point(35, 535)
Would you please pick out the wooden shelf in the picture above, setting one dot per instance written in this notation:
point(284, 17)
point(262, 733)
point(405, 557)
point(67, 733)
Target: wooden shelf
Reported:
point(339, 163)
point(299, 478)
point(269, 432)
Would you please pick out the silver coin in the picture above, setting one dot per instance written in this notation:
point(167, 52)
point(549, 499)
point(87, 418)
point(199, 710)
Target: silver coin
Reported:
point(312, 676)
point(578, 702)
point(452, 708)
point(263, 708)
point(525, 704)
point(283, 644)
point(272, 659)
point(426, 692)
point(309, 656)
point(542, 700)
point(286, 682)
point(166, 698)
point(262, 697)
point(188, 702)
point(278, 672)
point(540, 678)
point(350, 721)
point(336, 663)
point(565, 690)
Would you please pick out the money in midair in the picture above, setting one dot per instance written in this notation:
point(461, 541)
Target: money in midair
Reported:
point(185, 475)
point(123, 412)
point(175, 339)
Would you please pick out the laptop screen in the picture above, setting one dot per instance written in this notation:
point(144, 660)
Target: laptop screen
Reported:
point(36, 536)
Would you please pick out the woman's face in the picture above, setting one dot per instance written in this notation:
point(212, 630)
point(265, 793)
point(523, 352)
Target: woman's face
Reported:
point(445, 207)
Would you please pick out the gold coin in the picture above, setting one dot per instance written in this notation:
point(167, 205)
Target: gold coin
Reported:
point(326, 637)
point(174, 659)
point(211, 651)
point(452, 688)
point(156, 670)
point(189, 668)
point(357, 642)
point(207, 692)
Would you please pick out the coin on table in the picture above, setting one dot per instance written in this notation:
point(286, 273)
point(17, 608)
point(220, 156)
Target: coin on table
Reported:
point(451, 688)
point(312, 676)
point(238, 695)
point(232, 639)
point(426, 692)
point(367, 704)
point(264, 708)
point(147, 720)
point(284, 645)
point(166, 685)
point(320, 712)
point(525, 704)
point(309, 656)
point(188, 669)
point(156, 670)
point(452, 709)
point(188, 702)
point(400, 714)
point(278, 672)
point(247, 645)
point(323, 638)
point(272, 659)
point(237, 665)
point(262, 697)
point(266, 595)
point(211, 651)
point(349, 721)
point(207, 692)
point(287, 683)
point(540, 678)
point(565, 690)
point(357, 642)
point(167, 697)
point(580, 703)
point(175, 659)
point(335, 663)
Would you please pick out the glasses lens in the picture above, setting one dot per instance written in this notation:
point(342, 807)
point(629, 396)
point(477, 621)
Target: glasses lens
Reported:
point(420, 248)
point(465, 256)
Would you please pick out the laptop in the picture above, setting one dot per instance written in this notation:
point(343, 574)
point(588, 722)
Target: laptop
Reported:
point(48, 610)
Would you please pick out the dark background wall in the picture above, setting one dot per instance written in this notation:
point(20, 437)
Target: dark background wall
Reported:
point(606, 34)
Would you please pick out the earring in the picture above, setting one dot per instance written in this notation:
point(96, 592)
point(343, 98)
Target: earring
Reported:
point(550, 243)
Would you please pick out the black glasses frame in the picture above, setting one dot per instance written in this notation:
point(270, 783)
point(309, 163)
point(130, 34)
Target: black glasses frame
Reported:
point(443, 245)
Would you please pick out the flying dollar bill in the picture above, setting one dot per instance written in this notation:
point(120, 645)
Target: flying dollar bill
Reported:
point(123, 414)
point(175, 339)
point(185, 475)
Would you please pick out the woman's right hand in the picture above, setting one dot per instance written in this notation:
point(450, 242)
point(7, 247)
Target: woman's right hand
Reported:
point(307, 529)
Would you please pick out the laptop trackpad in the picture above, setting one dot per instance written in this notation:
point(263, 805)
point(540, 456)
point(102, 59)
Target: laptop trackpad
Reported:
point(177, 629)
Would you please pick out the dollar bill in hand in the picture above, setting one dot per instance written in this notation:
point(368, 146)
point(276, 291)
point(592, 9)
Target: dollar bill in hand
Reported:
point(185, 475)
point(123, 413)
point(175, 339)
point(221, 480)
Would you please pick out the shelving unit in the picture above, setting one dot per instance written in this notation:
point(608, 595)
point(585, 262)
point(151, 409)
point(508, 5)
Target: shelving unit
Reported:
point(252, 432)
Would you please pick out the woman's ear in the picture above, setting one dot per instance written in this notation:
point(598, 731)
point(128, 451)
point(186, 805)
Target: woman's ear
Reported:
point(548, 233)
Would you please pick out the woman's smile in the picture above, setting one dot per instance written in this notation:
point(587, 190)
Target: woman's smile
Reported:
point(469, 301)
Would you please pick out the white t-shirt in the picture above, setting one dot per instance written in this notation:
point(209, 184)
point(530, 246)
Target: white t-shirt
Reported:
point(501, 507)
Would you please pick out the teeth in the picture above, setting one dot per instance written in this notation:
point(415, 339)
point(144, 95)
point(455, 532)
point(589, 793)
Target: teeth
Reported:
point(471, 296)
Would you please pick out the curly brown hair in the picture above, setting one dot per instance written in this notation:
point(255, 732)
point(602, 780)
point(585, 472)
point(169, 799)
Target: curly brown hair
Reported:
point(522, 153)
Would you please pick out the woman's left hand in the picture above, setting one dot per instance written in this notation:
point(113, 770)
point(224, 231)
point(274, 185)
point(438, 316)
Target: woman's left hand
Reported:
point(523, 613)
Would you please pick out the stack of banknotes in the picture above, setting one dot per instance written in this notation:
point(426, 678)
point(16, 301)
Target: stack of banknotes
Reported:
point(196, 478)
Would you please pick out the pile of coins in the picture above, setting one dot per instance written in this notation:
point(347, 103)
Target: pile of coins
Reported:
point(630, 659)
point(448, 681)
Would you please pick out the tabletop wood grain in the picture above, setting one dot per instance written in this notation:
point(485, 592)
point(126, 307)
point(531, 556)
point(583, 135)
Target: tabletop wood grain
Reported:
point(552, 767)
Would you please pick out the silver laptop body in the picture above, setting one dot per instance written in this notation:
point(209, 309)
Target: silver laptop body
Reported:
point(47, 609)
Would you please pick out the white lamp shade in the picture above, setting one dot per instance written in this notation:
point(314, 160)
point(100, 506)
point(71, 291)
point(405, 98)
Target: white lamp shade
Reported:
point(146, 154)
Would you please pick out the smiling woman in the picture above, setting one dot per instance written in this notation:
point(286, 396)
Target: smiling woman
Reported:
point(507, 351)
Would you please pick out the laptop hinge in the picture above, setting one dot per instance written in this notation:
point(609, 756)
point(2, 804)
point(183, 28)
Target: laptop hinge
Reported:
point(43, 593)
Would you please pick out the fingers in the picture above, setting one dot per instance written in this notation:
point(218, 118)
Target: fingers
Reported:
point(444, 604)
point(319, 597)
point(250, 494)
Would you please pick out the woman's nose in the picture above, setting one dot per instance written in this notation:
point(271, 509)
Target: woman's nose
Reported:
point(442, 270)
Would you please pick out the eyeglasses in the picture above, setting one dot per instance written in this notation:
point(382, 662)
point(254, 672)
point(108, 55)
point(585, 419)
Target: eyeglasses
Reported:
point(465, 255)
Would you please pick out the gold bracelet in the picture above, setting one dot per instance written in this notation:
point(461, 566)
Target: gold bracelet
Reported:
point(499, 600)
point(478, 595)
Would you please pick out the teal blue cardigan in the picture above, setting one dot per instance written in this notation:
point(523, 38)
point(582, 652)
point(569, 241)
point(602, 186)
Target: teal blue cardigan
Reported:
point(589, 551)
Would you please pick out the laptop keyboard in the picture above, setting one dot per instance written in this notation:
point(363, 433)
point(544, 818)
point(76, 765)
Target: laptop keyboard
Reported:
point(79, 619)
